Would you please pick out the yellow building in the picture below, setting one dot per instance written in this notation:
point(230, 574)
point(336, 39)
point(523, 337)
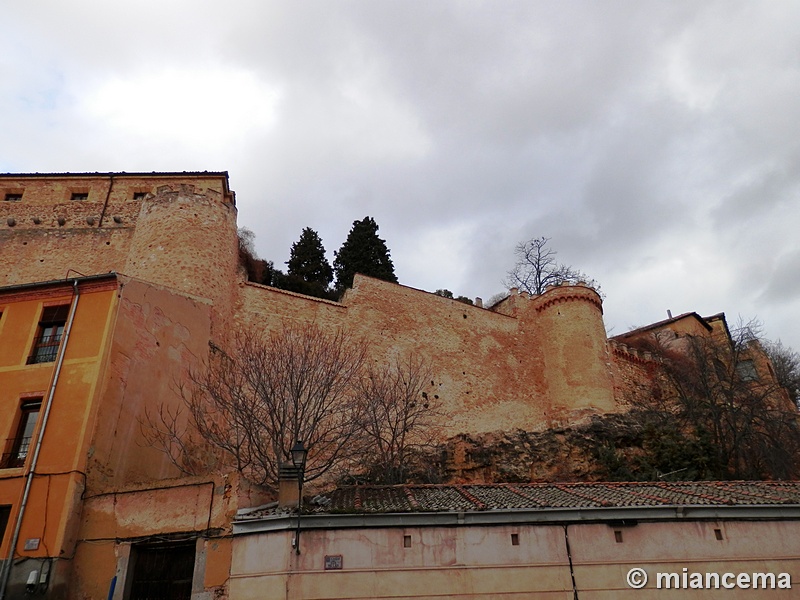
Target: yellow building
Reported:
point(81, 360)
point(49, 392)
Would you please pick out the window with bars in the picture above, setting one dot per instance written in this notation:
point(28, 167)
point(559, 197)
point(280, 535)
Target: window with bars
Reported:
point(48, 338)
point(17, 448)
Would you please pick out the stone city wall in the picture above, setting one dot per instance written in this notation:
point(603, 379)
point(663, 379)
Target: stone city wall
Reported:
point(546, 363)
point(536, 362)
point(175, 230)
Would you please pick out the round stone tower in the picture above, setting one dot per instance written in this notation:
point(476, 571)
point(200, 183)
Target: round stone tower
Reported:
point(572, 339)
point(185, 239)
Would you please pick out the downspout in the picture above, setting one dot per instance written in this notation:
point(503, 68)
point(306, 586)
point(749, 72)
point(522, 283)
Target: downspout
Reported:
point(62, 350)
point(105, 206)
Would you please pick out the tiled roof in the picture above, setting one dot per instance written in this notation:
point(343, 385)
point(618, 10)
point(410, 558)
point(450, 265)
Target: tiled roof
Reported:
point(659, 324)
point(530, 496)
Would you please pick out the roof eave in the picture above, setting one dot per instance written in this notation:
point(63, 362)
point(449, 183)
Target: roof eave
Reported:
point(545, 516)
point(57, 282)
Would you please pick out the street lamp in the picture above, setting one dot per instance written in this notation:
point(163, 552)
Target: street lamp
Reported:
point(299, 453)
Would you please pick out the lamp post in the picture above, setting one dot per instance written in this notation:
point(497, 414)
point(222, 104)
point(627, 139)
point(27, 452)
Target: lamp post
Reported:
point(299, 453)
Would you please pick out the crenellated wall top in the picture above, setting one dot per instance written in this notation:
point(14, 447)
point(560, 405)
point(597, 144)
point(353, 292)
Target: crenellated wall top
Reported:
point(553, 295)
point(631, 353)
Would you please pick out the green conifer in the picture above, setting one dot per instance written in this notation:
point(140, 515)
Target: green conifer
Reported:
point(363, 252)
point(309, 272)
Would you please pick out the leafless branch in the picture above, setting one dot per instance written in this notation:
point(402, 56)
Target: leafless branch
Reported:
point(537, 269)
point(400, 417)
point(721, 387)
point(255, 400)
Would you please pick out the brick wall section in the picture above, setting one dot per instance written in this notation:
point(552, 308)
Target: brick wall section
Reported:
point(545, 363)
point(635, 372)
point(264, 307)
point(46, 234)
point(479, 358)
point(176, 230)
point(30, 255)
point(186, 240)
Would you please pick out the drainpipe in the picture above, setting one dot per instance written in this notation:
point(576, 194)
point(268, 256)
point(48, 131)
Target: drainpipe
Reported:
point(62, 349)
point(105, 204)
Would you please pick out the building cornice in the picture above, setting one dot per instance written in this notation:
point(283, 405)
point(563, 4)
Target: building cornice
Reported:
point(617, 516)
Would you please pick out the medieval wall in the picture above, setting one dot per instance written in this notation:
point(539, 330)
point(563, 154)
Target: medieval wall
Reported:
point(176, 230)
point(543, 362)
point(538, 362)
point(186, 240)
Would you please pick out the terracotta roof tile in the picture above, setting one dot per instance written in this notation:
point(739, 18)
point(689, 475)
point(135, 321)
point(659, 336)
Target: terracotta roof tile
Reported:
point(464, 498)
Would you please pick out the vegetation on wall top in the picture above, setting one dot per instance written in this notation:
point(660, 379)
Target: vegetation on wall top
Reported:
point(309, 271)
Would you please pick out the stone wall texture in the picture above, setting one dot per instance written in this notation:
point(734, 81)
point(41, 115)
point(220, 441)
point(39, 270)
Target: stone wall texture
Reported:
point(175, 230)
point(535, 362)
point(544, 363)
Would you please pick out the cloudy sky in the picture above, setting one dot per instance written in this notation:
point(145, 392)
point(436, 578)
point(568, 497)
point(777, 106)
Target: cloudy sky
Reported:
point(657, 143)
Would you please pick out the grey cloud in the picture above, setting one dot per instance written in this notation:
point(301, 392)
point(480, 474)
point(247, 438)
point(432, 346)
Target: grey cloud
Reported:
point(632, 133)
point(783, 284)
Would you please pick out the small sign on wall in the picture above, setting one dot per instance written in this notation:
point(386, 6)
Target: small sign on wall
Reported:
point(32, 544)
point(333, 562)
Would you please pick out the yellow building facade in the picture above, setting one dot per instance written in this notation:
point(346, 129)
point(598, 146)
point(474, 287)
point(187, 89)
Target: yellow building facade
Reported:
point(49, 392)
point(84, 500)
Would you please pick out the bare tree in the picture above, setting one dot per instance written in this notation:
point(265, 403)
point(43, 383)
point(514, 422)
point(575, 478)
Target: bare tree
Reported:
point(400, 417)
point(257, 269)
point(536, 268)
point(786, 364)
point(252, 402)
point(717, 389)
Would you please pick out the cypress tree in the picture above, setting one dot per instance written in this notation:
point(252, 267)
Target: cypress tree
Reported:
point(309, 272)
point(363, 252)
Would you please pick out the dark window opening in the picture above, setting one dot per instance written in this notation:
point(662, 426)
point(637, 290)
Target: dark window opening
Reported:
point(17, 448)
point(80, 196)
point(5, 513)
point(162, 572)
point(51, 328)
point(13, 196)
point(139, 195)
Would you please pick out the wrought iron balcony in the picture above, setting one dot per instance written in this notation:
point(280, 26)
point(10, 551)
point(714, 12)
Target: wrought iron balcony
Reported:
point(45, 349)
point(19, 452)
